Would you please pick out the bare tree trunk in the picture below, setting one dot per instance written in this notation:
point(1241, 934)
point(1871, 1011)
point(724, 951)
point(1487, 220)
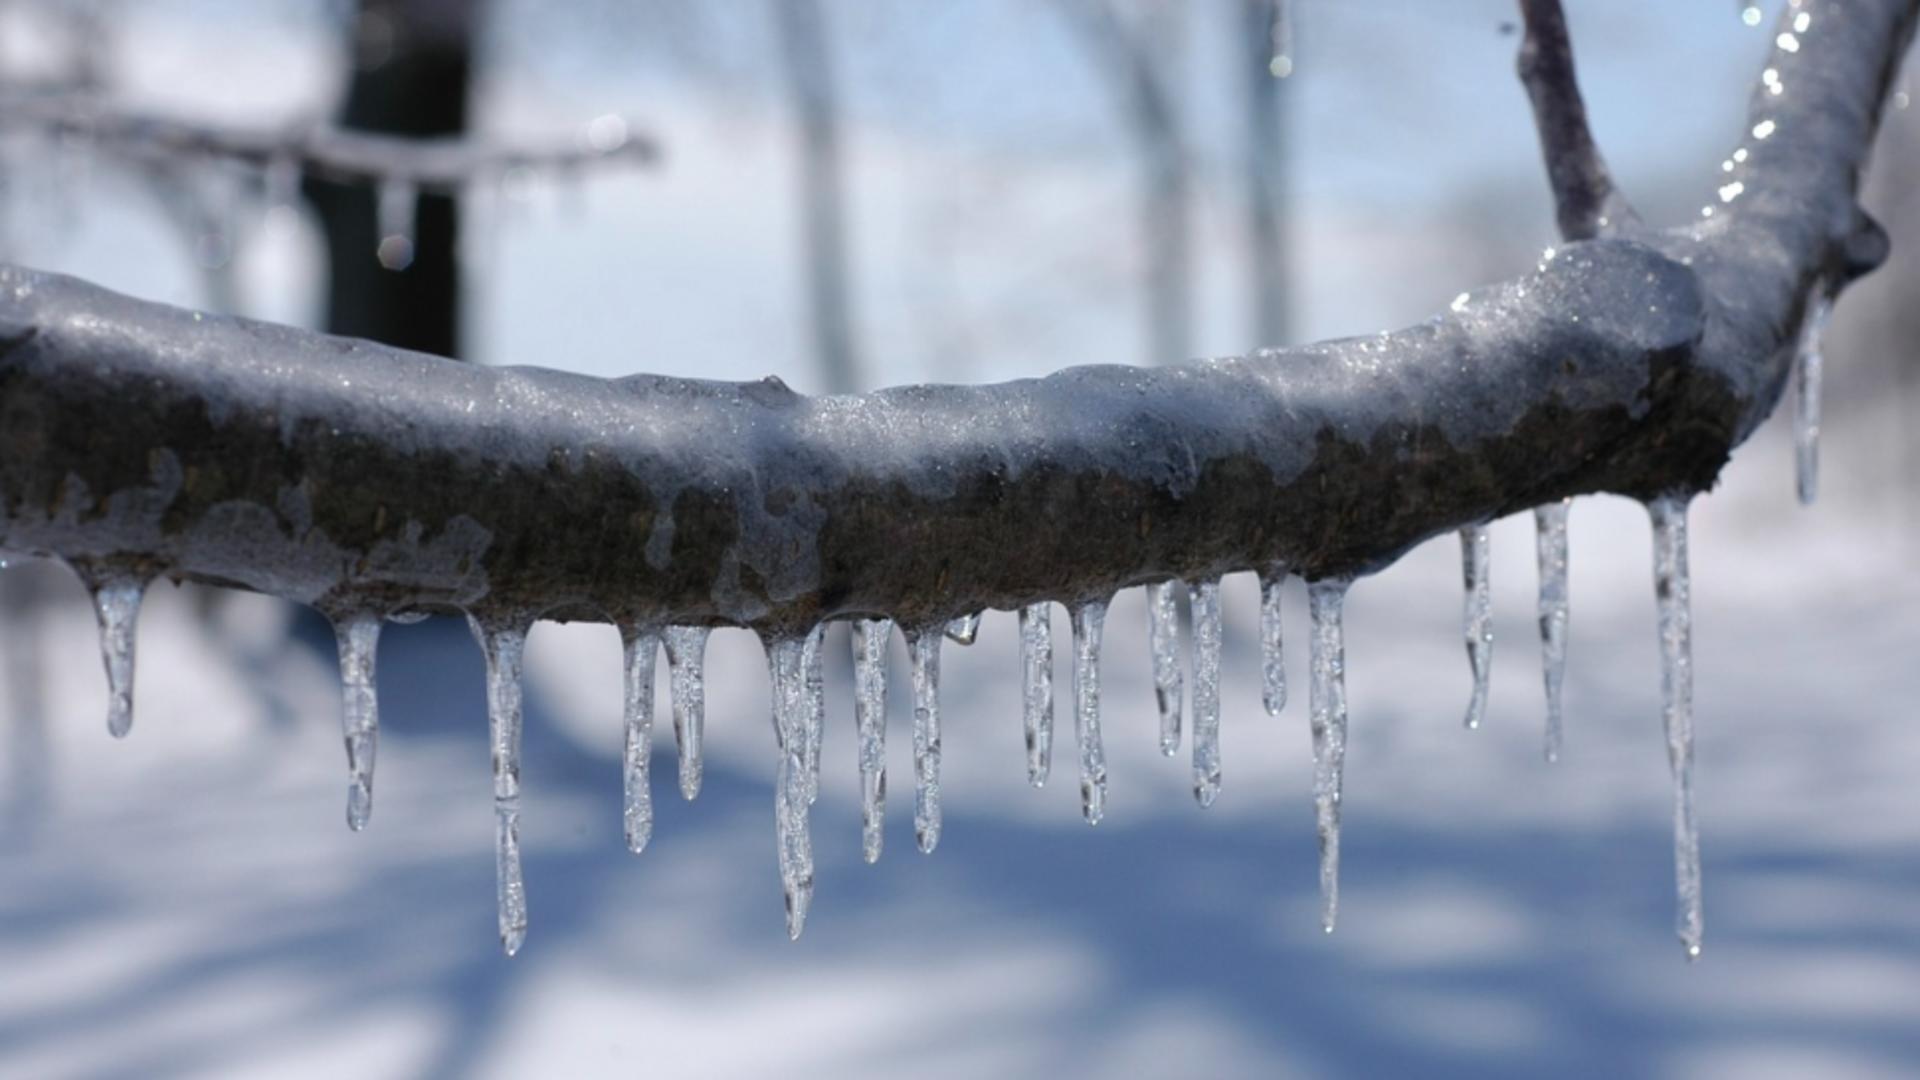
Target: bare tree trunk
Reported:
point(808, 59)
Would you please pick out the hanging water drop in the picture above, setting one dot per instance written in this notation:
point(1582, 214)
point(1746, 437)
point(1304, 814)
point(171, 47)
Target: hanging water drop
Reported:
point(870, 638)
point(1672, 592)
point(965, 629)
point(792, 840)
point(1806, 402)
point(686, 687)
point(358, 638)
point(1163, 635)
point(397, 203)
point(1476, 556)
point(1273, 668)
point(1036, 683)
point(923, 646)
point(1327, 706)
point(639, 645)
point(504, 645)
point(1281, 21)
point(1206, 691)
point(1089, 619)
point(1550, 538)
point(815, 716)
point(116, 603)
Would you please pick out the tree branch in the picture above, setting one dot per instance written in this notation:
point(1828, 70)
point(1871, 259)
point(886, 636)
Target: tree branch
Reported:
point(345, 474)
point(1586, 201)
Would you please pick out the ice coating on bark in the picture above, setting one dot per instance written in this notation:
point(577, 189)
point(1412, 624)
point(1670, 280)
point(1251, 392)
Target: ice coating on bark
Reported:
point(1327, 706)
point(1089, 618)
point(1273, 668)
point(792, 839)
point(1550, 538)
point(870, 638)
point(1163, 638)
point(686, 687)
point(1672, 594)
point(358, 638)
point(924, 647)
point(639, 646)
point(504, 645)
point(1476, 557)
point(1036, 690)
point(1206, 691)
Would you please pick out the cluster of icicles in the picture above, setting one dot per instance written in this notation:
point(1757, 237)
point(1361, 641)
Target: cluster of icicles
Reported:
point(799, 707)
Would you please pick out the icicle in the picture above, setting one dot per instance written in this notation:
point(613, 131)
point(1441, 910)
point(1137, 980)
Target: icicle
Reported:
point(1036, 680)
point(1672, 590)
point(1206, 691)
point(358, 637)
point(785, 659)
point(116, 602)
point(816, 703)
point(1273, 668)
point(923, 646)
point(639, 645)
point(1476, 555)
point(504, 645)
point(686, 684)
point(1550, 537)
point(1806, 402)
point(1327, 704)
point(1163, 636)
point(398, 202)
point(1281, 65)
point(870, 638)
point(1088, 620)
point(965, 629)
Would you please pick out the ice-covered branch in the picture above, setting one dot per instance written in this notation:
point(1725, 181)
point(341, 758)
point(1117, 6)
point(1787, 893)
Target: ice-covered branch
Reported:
point(422, 164)
point(1585, 198)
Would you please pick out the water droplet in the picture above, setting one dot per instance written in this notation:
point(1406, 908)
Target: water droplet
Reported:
point(398, 202)
point(963, 630)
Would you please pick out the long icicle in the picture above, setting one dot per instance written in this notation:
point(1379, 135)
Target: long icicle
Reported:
point(1163, 638)
point(791, 832)
point(924, 647)
point(870, 637)
point(1273, 667)
point(504, 645)
point(1810, 361)
point(1672, 592)
point(1550, 540)
point(639, 645)
point(1327, 704)
point(1036, 683)
point(814, 682)
point(358, 637)
point(116, 604)
point(1476, 557)
point(1206, 690)
point(686, 685)
point(1089, 618)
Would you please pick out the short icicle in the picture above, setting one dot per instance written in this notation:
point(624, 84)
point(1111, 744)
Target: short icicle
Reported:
point(1036, 682)
point(815, 682)
point(1089, 619)
point(924, 648)
point(639, 645)
point(965, 629)
point(116, 603)
point(1476, 557)
point(1206, 691)
point(1327, 704)
point(1672, 591)
point(1550, 537)
point(870, 637)
point(1163, 636)
point(358, 637)
point(1806, 402)
point(504, 645)
point(785, 659)
point(1273, 668)
point(686, 686)
point(397, 203)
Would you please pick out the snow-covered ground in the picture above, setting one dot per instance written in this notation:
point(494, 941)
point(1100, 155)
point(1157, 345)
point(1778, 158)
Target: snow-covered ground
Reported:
point(190, 902)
